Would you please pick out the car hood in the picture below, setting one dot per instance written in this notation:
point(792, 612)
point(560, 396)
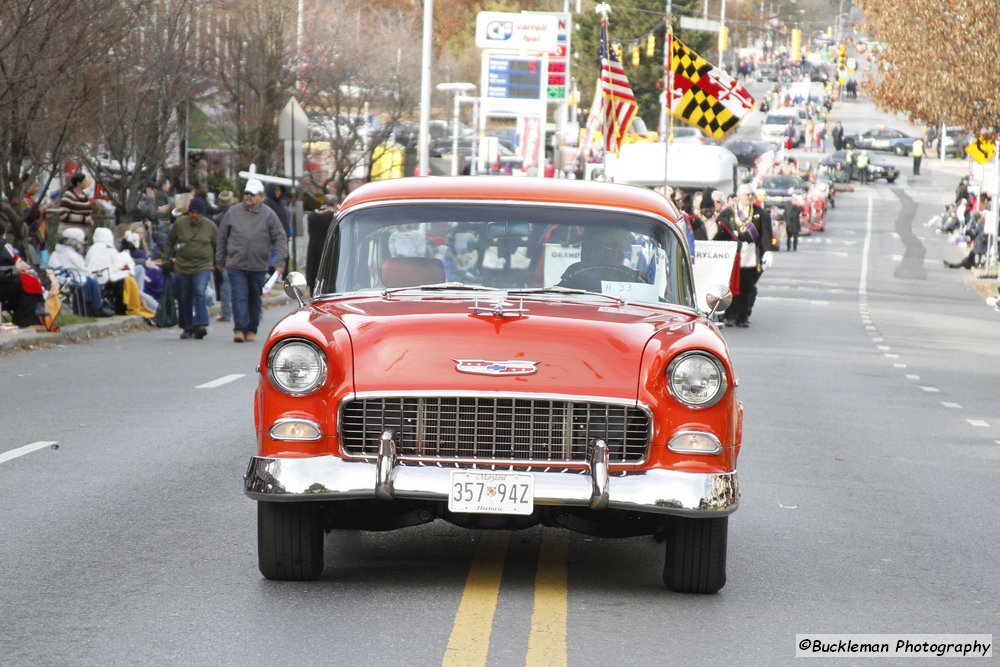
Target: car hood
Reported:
point(586, 346)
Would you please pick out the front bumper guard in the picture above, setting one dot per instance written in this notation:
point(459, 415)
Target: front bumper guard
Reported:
point(330, 478)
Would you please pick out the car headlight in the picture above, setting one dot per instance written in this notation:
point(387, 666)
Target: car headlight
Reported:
point(296, 367)
point(696, 379)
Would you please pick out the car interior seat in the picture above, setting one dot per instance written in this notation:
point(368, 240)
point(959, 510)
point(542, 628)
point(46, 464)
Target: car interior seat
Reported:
point(406, 271)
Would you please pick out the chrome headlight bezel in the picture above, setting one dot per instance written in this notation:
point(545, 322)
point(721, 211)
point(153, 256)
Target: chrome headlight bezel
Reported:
point(286, 346)
point(678, 366)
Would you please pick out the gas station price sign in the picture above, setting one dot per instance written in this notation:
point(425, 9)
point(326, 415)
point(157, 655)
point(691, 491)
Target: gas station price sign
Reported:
point(514, 78)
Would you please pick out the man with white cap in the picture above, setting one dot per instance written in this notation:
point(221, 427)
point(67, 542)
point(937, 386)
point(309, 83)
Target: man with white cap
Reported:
point(242, 248)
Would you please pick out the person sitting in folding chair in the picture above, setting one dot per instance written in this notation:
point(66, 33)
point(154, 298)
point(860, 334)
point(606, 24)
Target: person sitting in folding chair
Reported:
point(111, 267)
point(68, 263)
point(21, 290)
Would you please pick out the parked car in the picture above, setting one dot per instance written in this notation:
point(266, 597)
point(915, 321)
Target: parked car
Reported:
point(882, 139)
point(748, 150)
point(499, 353)
point(877, 166)
point(689, 134)
point(506, 156)
point(955, 140)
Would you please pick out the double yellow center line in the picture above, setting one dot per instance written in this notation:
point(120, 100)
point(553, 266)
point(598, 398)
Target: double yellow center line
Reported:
point(470, 635)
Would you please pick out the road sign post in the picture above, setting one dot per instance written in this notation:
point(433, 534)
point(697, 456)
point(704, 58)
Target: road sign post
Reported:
point(293, 128)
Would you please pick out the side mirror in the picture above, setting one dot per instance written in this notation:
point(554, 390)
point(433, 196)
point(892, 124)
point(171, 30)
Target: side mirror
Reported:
point(295, 287)
point(718, 298)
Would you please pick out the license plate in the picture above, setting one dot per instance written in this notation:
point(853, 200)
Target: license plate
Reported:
point(475, 492)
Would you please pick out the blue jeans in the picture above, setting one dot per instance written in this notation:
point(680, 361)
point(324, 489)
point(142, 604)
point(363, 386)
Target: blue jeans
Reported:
point(225, 297)
point(193, 308)
point(246, 287)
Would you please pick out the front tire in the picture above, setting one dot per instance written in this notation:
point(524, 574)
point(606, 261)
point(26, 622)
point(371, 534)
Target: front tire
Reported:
point(696, 554)
point(289, 541)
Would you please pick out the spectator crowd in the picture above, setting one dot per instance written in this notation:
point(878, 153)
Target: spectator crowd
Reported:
point(182, 252)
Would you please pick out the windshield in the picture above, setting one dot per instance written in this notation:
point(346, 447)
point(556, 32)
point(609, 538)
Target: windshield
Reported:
point(781, 182)
point(512, 246)
point(779, 119)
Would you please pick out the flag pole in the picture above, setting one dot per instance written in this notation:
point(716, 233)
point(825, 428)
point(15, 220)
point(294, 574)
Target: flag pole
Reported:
point(603, 9)
point(668, 93)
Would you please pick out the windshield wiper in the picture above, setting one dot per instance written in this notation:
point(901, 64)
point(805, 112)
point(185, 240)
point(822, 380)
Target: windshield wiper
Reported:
point(441, 286)
point(563, 290)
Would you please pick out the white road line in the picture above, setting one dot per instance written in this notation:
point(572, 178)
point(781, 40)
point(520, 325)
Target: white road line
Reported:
point(953, 406)
point(27, 449)
point(910, 376)
point(899, 365)
point(225, 379)
point(930, 390)
point(884, 348)
point(891, 356)
point(978, 422)
point(865, 248)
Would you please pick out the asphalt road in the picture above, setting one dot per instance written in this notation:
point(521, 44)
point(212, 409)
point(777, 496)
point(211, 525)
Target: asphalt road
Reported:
point(869, 468)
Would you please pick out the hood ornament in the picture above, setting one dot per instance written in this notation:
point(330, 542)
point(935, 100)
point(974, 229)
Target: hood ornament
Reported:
point(498, 308)
point(496, 368)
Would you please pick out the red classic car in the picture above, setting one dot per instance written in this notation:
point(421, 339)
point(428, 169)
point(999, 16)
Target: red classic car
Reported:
point(499, 353)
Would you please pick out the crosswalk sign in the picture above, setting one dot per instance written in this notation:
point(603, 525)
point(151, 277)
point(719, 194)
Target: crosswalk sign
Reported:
point(981, 150)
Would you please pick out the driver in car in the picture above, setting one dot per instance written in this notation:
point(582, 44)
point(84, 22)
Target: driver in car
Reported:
point(602, 252)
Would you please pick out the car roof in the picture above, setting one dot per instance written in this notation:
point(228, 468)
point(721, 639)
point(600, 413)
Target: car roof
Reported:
point(512, 189)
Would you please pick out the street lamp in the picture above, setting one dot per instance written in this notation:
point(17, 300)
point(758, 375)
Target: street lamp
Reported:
point(457, 88)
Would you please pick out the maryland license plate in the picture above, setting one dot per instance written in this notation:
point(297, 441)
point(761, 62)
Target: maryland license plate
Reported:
point(477, 492)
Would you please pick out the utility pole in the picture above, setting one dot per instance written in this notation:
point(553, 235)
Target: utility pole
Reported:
point(722, 36)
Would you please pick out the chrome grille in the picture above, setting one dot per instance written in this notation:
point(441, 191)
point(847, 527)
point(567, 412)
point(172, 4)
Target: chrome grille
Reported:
point(487, 428)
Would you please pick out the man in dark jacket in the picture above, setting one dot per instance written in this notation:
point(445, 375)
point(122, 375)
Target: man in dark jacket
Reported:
point(275, 202)
point(319, 224)
point(247, 233)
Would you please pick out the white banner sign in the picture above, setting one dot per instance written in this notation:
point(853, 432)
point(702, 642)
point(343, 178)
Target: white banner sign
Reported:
point(713, 267)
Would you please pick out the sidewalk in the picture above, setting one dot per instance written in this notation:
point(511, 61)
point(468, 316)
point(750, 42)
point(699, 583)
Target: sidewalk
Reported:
point(29, 339)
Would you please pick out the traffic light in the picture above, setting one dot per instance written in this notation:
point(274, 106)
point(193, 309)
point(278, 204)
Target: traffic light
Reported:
point(650, 46)
point(842, 57)
point(635, 55)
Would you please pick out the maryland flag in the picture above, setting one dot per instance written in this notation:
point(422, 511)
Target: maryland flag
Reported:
point(704, 95)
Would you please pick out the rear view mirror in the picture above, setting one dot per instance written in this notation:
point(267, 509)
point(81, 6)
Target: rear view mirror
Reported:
point(718, 298)
point(501, 230)
point(295, 287)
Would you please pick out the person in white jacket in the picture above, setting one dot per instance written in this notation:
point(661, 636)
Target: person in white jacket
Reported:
point(69, 265)
point(111, 265)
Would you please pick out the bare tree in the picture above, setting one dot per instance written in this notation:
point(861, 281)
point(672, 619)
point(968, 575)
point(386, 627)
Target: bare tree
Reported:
point(255, 76)
point(137, 114)
point(361, 78)
point(46, 78)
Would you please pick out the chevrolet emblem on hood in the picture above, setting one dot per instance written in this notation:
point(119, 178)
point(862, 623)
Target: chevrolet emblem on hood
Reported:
point(487, 367)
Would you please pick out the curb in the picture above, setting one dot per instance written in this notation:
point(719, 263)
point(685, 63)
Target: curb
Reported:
point(102, 328)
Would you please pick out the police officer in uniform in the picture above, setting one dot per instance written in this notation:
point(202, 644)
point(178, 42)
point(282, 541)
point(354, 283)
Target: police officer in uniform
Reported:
point(918, 155)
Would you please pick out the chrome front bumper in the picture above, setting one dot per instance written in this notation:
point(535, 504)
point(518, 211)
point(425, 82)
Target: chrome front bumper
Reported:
point(330, 478)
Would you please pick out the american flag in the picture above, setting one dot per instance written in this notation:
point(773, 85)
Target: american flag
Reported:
point(618, 102)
